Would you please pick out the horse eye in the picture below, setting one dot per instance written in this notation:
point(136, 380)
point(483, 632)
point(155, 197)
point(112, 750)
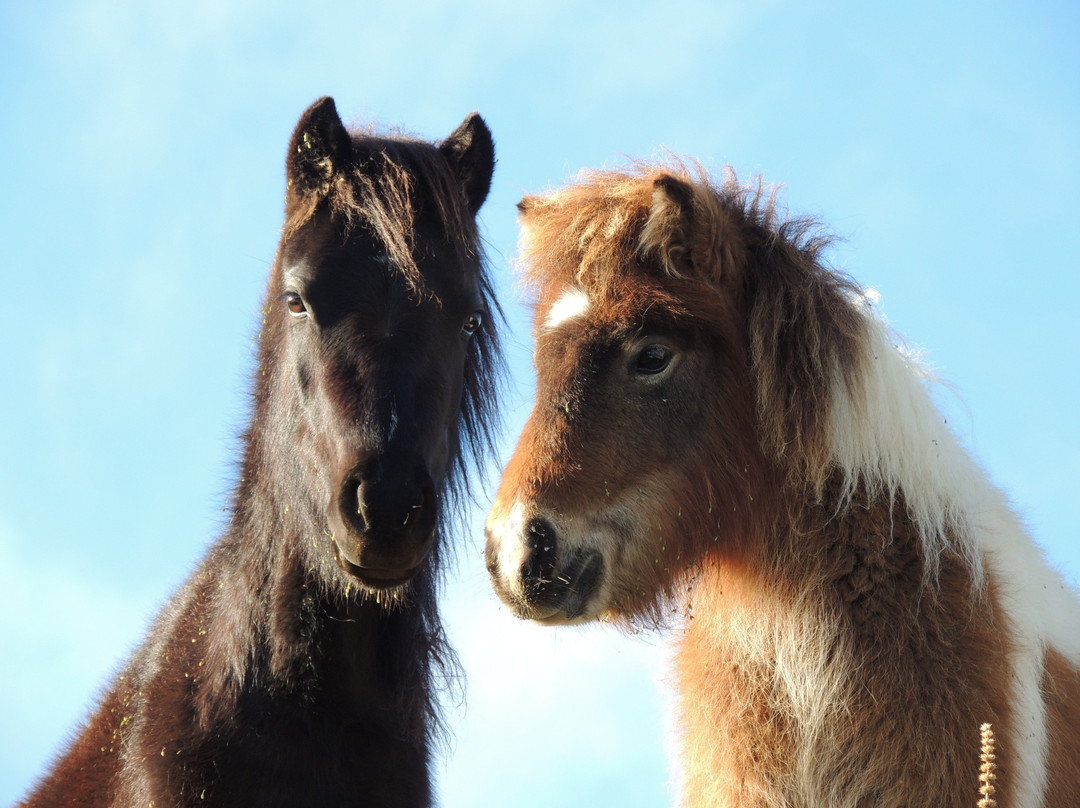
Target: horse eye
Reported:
point(295, 304)
point(472, 323)
point(653, 359)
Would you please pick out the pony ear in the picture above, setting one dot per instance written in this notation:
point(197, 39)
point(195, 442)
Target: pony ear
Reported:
point(319, 147)
point(470, 150)
point(526, 226)
point(667, 230)
point(526, 206)
point(689, 233)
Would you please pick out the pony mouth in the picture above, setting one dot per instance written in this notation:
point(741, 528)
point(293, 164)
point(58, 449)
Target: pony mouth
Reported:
point(377, 578)
point(380, 579)
point(566, 597)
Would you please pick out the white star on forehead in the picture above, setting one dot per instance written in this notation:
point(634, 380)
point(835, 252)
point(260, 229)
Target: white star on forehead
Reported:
point(571, 304)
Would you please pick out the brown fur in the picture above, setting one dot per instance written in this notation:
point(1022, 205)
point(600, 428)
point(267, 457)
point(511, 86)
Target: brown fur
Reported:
point(909, 671)
point(841, 647)
point(1061, 688)
point(607, 235)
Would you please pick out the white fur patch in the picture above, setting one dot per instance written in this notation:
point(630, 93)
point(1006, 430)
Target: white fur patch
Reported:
point(507, 529)
point(891, 432)
point(1044, 611)
point(573, 303)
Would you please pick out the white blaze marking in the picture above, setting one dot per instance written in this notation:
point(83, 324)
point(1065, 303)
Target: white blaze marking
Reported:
point(573, 303)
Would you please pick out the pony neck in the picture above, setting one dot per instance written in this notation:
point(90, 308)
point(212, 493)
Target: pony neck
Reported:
point(274, 616)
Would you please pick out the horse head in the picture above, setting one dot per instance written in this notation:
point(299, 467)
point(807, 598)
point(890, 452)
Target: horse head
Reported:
point(379, 309)
point(642, 442)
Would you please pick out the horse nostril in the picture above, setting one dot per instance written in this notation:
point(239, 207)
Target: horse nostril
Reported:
point(354, 508)
point(389, 506)
point(423, 498)
point(538, 567)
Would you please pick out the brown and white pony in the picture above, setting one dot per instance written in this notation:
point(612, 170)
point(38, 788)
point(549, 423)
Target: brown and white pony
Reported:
point(726, 432)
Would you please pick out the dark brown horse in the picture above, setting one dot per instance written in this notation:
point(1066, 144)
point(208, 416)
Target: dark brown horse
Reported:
point(300, 664)
point(726, 431)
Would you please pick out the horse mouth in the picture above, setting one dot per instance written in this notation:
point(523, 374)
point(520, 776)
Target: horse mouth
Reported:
point(565, 597)
point(381, 579)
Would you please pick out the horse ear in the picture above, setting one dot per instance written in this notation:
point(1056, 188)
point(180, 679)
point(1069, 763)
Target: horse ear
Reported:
point(526, 206)
point(526, 226)
point(320, 146)
point(689, 233)
point(667, 231)
point(470, 150)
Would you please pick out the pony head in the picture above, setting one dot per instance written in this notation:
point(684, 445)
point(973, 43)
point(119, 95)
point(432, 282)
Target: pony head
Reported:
point(377, 337)
point(680, 384)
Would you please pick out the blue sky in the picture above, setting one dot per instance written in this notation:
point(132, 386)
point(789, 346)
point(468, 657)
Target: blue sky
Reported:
point(142, 156)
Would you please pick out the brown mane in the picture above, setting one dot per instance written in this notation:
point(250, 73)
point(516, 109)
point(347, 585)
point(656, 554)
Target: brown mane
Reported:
point(380, 194)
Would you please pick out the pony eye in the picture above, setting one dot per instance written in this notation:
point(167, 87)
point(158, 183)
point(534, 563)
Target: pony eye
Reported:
point(295, 304)
point(653, 359)
point(472, 323)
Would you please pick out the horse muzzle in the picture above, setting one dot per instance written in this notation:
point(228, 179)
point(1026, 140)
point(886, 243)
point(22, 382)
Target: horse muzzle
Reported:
point(386, 515)
point(538, 576)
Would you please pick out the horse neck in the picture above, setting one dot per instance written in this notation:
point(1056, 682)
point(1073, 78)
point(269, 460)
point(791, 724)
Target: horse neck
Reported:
point(769, 634)
point(271, 614)
point(820, 552)
point(269, 624)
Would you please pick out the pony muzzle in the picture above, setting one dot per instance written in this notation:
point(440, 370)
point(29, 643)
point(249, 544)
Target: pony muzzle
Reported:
point(539, 578)
point(388, 522)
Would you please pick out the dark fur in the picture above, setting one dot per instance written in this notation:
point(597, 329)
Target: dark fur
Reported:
point(282, 673)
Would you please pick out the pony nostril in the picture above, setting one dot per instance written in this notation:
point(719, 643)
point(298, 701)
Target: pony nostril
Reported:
point(425, 499)
point(538, 567)
point(360, 502)
point(352, 505)
point(390, 506)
